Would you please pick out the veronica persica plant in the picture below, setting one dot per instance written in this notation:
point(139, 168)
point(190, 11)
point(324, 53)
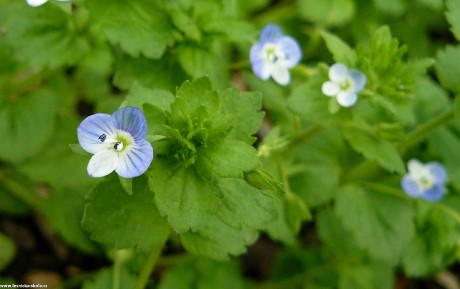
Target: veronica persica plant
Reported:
point(425, 181)
point(35, 3)
point(344, 84)
point(274, 55)
point(117, 142)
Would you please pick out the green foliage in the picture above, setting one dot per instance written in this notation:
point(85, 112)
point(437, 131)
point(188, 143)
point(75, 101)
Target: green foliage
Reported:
point(235, 156)
point(7, 251)
point(381, 223)
point(132, 220)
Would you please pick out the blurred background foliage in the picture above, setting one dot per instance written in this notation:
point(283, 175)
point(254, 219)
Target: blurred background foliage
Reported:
point(63, 61)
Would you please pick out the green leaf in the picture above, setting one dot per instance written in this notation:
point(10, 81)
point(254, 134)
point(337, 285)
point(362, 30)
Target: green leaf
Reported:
point(220, 161)
point(63, 210)
point(382, 230)
point(54, 37)
point(7, 251)
point(448, 68)
point(435, 244)
point(26, 125)
point(244, 108)
point(340, 50)
point(140, 95)
point(127, 185)
point(453, 16)
point(119, 220)
point(204, 274)
point(334, 12)
point(154, 30)
point(182, 195)
point(106, 278)
point(218, 240)
point(395, 7)
point(58, 165)
point(149, 73)
point(363, 139)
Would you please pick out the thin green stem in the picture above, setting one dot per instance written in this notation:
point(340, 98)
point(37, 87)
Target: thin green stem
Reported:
point(370, 168)
point(300, 138)
point(451, 212)
point(117, 269)
point(243, 64)
point(276, 13)
point(143, 278)
point(426, 129)
point(19, 191)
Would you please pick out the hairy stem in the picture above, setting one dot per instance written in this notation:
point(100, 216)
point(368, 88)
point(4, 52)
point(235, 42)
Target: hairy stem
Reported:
point(143, 278)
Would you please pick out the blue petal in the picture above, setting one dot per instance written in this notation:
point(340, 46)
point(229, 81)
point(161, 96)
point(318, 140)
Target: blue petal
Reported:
point(270, 33)
point(410, 186)
point(438, 172)
point(90, 130)
point(135, 161)
point(257, 62)
point(132, 120)
point(434, 193)
point(359, 79)
point(291, 50)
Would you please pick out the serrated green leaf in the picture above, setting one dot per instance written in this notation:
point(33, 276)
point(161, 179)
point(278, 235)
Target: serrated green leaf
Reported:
point(334, 12)
point(53, 37)
point(7, 251)
point(381, 223)
point(246, 206)
point(448, 67)
point(119, 220)
point(182, 195)
point(361, 137)
point(244, 109)
point(453, 16)
point(340, 50)
point(218, 240)
point(154, 31)
point(220, 161)
point(31, 117)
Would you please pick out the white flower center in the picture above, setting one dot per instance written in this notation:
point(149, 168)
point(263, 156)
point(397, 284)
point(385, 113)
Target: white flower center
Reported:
point(119, 141)
point(271, 53)
point(347, 84)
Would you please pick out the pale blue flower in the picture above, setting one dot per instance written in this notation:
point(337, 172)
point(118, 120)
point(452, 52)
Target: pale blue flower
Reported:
point(117, 142)
point(274, 55)
point(425, 181)
point(35, 3)
point(344, 84)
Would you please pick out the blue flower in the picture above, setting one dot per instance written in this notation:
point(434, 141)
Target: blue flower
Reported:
point(35, 3)
point(344, 84)
point(425, 181)
point(274, 55)
point(117, 142)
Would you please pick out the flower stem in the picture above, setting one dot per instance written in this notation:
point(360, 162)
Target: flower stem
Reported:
point(143, 278)
point(300, 138)
point(19, 191)
point(424, 130)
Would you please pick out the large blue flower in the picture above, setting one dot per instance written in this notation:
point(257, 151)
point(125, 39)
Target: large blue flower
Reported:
point(425, 181)
point(117, 142)
point(274, 55)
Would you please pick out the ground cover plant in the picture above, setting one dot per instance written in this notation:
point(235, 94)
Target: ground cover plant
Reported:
point(230, 144)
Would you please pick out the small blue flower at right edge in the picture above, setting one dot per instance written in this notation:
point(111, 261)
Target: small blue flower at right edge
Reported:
point(344, 84)
point(117, 142)
point(274, 55)
point(425, 181)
